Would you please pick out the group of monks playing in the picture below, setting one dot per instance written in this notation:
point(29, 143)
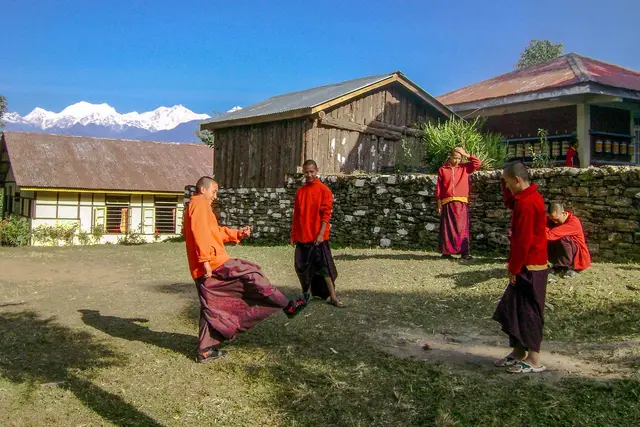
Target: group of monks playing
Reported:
point(538, 237)
point(235, 295)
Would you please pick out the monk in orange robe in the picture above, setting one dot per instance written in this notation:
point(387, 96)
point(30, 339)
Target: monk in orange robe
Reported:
point(234, 294)
point(567, 247)
point(310, 233)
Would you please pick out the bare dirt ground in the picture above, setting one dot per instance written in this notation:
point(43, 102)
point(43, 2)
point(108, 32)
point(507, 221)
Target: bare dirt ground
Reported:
point(107, 336)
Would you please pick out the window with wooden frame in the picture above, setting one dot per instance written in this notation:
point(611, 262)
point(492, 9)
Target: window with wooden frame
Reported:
point(117, 214)
point(166, 209)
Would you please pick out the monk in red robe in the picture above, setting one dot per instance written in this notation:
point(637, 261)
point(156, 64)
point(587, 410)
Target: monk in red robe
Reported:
point(572, 160)
point(234, 294)
point(310, 233)
point(568, 251)
point(520, 311)
point(452, 195)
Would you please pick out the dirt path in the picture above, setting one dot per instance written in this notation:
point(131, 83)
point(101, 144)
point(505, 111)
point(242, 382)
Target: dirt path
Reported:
point(596, 361)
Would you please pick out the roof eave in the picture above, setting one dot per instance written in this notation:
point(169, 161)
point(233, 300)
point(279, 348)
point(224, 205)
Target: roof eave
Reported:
point(243, 121)
point(393, 77)
point(96, 190)
point(589, 88)
point(579, 89)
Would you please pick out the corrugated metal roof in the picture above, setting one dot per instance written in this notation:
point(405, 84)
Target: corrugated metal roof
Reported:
point(300, 100)
point(63, 161)
point(567, 70)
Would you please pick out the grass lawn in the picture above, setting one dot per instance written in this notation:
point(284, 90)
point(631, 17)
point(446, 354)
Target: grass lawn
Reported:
point(107, 336)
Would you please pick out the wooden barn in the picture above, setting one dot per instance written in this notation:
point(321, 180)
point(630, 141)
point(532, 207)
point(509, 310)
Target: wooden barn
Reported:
point(368, 124)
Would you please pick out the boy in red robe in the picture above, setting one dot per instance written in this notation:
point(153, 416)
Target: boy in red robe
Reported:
point(568, 251)
point(310, 233)
point(572, 160)
point(520, 311)
point(452, 195)
point(234, 294)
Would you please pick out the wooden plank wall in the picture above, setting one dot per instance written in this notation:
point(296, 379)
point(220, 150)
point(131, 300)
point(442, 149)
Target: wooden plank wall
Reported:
point(336, 150)
point(261, 155)
point(258, 155)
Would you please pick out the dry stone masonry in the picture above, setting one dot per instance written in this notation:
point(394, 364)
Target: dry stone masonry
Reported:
point(399, 210)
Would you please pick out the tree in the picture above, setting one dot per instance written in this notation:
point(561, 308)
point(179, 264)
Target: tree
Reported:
point(3, 109)
point(539, 51)
point(206, 137)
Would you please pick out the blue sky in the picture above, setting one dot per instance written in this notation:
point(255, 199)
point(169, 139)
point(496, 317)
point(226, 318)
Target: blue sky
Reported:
point(212, 55)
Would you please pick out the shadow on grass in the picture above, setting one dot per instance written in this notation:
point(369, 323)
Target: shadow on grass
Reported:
point(131, 330)
point(415, 257)
point(176, 288)
point(11, 304)
point(328, 369)
point(389, 256)
point(36, 351)
point(475, 277)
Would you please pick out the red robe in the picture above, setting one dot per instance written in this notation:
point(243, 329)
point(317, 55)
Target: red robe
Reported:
point(454, 181)
point(572, 160)
point(528, 229)
point(312, 207)
point(572, 228)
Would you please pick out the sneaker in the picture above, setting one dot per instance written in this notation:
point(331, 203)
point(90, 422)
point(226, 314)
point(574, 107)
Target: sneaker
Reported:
point(210, 355)
point(295, 306)
point(466, 257)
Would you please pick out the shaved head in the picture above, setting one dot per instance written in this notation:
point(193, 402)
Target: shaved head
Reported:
point(204, 183)
point(555, 208)
point(516, 170)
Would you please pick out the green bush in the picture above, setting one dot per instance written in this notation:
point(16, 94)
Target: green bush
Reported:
point(84, 237)
point(53, 234)
point(132, 238)
point(15, 231)
point(440, 138)
point(96, 233)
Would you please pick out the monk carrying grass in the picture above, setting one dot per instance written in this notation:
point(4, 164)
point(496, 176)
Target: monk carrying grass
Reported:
point(521, 309)
point(234, 294)
point(452, 195)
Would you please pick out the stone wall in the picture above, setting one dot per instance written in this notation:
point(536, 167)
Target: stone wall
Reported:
point(399, 210)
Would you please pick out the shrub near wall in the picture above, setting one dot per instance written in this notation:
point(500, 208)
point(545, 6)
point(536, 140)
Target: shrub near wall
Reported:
point(399, 210)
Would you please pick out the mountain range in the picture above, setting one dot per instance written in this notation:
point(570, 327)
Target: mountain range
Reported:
point(170, 124)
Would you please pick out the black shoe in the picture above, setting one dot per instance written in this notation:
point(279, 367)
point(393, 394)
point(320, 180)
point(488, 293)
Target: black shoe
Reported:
point(466, 257)
point(295, 306)
point(447, 256)
point(210, 355)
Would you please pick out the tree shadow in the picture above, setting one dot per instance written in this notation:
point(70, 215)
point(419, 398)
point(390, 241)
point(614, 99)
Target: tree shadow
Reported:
point(37, 351)
point(389, 256)
point(129, 329)
point(467, 279)
point(331, 368)
point(416, 257)
point(11, 304)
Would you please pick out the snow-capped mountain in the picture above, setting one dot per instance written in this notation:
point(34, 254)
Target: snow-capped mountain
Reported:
point(85, 113)
point(176, 124)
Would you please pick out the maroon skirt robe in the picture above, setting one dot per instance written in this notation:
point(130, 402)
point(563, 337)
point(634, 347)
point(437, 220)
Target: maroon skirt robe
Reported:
point(454, 229)
point(520, 311)
point(237, 297)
